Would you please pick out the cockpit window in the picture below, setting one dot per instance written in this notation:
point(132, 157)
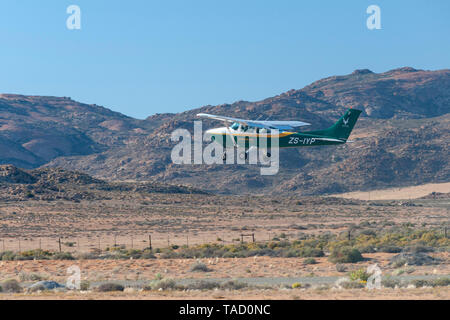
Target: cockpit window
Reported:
point(235, 126)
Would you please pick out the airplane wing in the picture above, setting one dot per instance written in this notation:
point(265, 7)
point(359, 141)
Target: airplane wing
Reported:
point(280, 125)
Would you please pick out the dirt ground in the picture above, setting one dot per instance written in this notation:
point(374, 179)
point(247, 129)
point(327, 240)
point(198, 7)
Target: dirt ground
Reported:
point(196, 219)
point(398, 193)
point(440, 293)
point(231, 268)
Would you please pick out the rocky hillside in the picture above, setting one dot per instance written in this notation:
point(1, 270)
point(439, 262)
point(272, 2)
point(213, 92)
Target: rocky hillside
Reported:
point(55, 184)
point(401, 139)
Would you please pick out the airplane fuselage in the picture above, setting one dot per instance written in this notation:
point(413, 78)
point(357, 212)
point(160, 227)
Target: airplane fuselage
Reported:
point(225, 137)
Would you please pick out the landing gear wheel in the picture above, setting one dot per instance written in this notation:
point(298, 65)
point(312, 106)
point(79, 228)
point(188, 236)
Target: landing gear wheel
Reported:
point(224, 156)
point(243, 155)
point(266, 157)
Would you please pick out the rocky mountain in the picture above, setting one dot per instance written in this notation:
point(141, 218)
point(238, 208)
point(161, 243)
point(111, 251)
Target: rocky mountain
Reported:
point(57, 184)
point(400, 140)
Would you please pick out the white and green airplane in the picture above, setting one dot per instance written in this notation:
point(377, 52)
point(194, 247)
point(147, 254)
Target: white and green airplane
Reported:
point(241, 132)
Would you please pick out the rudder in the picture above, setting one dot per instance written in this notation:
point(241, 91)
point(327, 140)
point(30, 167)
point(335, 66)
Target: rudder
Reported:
point(344, 126)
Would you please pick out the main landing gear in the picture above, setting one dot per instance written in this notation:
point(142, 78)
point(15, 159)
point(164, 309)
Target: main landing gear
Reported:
point(244, 155)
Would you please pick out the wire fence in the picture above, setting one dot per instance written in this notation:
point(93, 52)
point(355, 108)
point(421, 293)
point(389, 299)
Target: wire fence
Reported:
point(150, 241)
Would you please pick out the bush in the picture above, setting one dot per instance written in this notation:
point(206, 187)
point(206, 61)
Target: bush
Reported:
point(11, 286)
point(163, 284)
point(441, 282)
point(352, 285)
point(296, 285)
point(388, 282)
point(341, 267)
point(421, 283)
point(108, 287)
point(7, 255)
point(359, 274)
point(85, 285)
point(63, 256)
point(310, 261)
point(203, 285)
point(345, 255)
point(389, 249)
point(199, 267)
point(24, 276)
point(233, 285)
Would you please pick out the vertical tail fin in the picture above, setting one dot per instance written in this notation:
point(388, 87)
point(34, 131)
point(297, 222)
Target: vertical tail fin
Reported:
point(344, 126)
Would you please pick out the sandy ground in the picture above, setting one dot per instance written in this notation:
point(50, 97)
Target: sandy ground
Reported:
point(398, 193)
point(192, 219)
point(196, 219)
point(146, 269)
point(438, 293)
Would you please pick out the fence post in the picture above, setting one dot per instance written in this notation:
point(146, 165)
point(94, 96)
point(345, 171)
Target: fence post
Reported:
point(253, 237)
point(242, 238)
point(59, 243)
point(131, 242)
point(150, 241)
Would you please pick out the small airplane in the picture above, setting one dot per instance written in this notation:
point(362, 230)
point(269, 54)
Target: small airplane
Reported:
point(241, 131)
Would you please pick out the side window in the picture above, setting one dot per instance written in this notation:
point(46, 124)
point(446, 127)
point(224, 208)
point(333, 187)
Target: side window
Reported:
point(235, 126)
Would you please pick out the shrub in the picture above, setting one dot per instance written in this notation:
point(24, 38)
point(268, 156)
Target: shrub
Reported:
point(341, 267)
point(24, 276)
point(108, 287)
point(352, 285)
point(85, 285)
point(310, 261)
point(11, 286)
point(63, 256)
point(441, 282)
point(163, 284)
point(233, 285)
point(345, 255)
point(199, 267)
point(203, 285)
point(421, 283)
point(296, 285)
point(389, 249)
point(359, 274)
point(388, 282)
point(7, 255)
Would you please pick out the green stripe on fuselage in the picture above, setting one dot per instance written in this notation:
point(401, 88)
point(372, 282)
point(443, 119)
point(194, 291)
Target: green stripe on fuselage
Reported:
point(286, 140)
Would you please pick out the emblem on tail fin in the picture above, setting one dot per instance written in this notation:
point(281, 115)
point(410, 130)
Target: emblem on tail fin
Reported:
point(345, 121)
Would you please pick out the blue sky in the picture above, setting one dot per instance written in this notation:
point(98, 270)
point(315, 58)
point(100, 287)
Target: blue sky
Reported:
point(145, 57)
